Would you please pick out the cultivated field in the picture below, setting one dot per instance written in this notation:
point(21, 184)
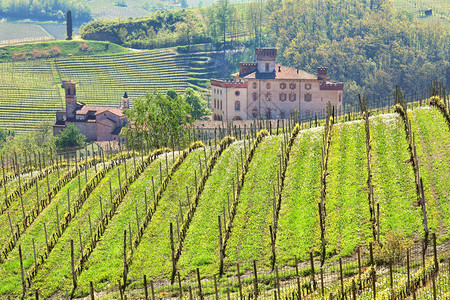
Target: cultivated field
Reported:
point(248, 202)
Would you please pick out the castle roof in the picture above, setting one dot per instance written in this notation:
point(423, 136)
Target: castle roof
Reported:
point(280, 72)
point(100, 109)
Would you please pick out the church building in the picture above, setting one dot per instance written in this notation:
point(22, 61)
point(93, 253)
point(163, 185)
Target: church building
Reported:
point(97, 123)
point(267, 90)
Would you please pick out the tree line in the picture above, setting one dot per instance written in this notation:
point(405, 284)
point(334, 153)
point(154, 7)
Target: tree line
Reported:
point(54, 10)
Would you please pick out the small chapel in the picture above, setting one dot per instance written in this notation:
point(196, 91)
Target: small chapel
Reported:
point(264, 89)
point(97, 123)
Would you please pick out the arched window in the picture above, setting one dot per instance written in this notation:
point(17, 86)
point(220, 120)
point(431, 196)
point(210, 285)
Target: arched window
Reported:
point(237, 106)
point(282, 114)
point(267, 67)
point(237, 118)
point(268, 85)
point(268, 113)
point(254, 96)
point(68, 91)
point(220, 104)
point(254, 85)
point(214, 103)
point(268, 96)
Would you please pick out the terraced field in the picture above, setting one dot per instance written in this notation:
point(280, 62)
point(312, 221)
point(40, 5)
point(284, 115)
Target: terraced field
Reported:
point(121, 213)
point(32, 89)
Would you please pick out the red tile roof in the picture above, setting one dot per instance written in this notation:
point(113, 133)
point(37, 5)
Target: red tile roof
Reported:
point(282, 72)
point(100, 109)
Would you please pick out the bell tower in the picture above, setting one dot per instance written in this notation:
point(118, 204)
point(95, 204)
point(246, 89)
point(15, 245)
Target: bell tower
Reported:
point(70, 88)
point(265, 59)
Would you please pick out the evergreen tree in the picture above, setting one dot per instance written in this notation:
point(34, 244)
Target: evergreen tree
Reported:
point(69, 25)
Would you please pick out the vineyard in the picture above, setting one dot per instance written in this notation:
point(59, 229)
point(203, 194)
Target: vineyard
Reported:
point(32, 89)
point(258, 212)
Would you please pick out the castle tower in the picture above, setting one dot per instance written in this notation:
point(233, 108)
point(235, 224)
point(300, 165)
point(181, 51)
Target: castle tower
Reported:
point(322, 73)
point(125, 101)
point(265, 59)
point(71, 98)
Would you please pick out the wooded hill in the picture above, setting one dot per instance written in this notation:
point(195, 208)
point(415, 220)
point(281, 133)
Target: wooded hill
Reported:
point(371, 46)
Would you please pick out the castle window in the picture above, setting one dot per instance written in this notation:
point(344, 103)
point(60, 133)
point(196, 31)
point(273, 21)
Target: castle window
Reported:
point(340, 97)
point(220, 104)
point(214, 103)
point(268, 113)
point(68, 91)
point(292, 97)
point(237, 93)
point(221, 92)
point(307, 86)
point(237, 106)
point(292, 86)
point(254, 112)
point(268, 96)
point(282, 114)
point(267, 67)
point(268, 85)
point(282, 86)
point(282, 97)
point(254, 85)
point(308, 97)
point(254, 96)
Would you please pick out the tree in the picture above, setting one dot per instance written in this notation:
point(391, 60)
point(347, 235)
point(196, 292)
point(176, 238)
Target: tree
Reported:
point(70, 137)
point(43, 135)
point(223, 15)
point(69, 25)
point(157, 119)
point(199, 107)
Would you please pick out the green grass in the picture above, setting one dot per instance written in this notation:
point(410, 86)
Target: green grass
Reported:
point(201, 247)
point(153, 255)
point(433, 149)
point(55, 274)
point(393, 177)
point(10, 280)
point(250, 238)
point(347, 222)
point(298, 225)
point(105, 265)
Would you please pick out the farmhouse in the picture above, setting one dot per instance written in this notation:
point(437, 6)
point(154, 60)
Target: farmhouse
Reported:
point(97, 123)
point(268, 90)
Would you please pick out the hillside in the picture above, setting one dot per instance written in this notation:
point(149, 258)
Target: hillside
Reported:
point(32, 88)
point(262, 192)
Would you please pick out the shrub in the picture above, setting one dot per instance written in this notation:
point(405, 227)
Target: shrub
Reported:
point(83, 46)
point(394, 248)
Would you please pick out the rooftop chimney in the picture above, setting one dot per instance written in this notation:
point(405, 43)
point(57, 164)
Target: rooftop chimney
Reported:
point(322, 73)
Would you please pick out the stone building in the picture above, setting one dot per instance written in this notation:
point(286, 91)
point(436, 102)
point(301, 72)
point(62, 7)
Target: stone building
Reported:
point(97, 123)
point(268, 90)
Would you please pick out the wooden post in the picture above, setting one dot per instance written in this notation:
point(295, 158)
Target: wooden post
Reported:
point(342, 276)
point(172, 247)
point(313, 276)
point(391, 277)
point(21, 270)
point(354, 289)
point(190, 293)
point(72, 265)
point(433, 278)
point(240, 286)
point(180, 286)
point(125, 266)
point(278, 281)
point(423, 259)
point(215, 287)
point(46, 237)
point(407, 269)
point(436, 261)
point(220, 248)
point(34, 252)
point(57, 221)
point(91, 290)
point(145, 287)
point(153, 290)
point(256, 279)
point(321, 281)
point(199, 284)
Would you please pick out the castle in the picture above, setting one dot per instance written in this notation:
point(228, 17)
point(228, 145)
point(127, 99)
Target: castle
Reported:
point(267, 90)
point(97, 123)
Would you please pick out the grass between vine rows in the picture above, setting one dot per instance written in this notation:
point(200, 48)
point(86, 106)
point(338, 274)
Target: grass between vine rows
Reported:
point(298, 226)
point(250, 238)
point(201, 247)
point(393, 177)
point(55, 273)
point(347, 222)
point(433, 149)
point(10, 279)
point(105, 265)
point(153, 255)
